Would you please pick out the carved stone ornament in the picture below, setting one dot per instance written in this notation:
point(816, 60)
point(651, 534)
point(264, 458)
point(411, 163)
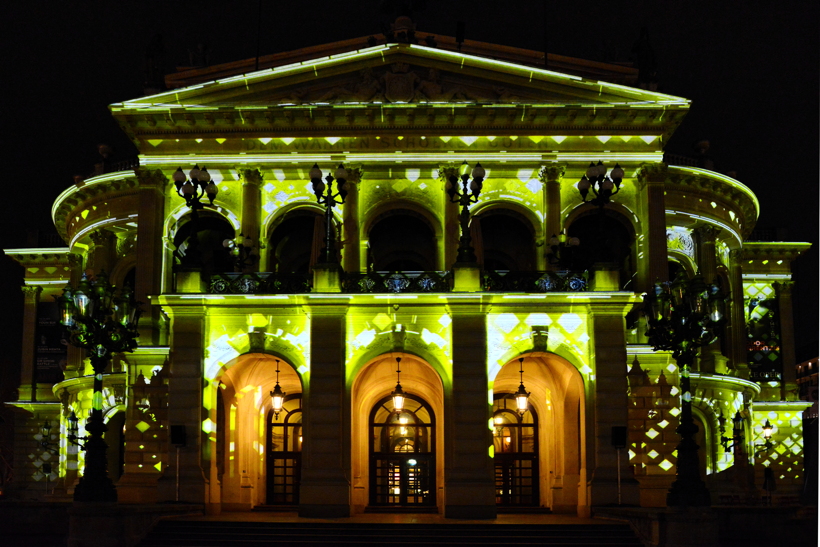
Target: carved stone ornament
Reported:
point(540, 336)
point(551, 172)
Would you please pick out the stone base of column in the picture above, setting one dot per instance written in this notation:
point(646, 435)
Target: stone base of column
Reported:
point(467, 277)
point(470, 500)
point(324, 499)
point(137, 488)
point(327, 278)
point(605, 279)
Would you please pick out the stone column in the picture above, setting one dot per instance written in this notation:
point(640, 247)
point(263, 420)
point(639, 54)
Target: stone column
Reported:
point(325, 487)
point(550, 176)
point(28, 379)
point(75, 355)
point(788, 384)
point(651, 179)
point(448, 247)
point(351, 233)
point(611, 408)
point(469, 480)
point(101, 252)
point(149, 251)
point(252, 210)
point(737, 319)
point(185, 406)
point(711, 360)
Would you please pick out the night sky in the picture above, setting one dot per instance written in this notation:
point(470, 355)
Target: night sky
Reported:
point(750, 69)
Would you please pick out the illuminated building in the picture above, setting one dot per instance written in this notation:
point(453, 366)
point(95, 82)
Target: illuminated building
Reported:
point(218, 336)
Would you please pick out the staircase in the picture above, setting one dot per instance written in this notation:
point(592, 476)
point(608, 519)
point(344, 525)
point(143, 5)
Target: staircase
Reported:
point(180, 533)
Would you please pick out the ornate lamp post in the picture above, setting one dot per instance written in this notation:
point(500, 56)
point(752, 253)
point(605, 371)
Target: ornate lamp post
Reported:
point(192, 191)
point(562, 249)
point(328, 200)
point(683, 316)
point(470, 190)
point(602, 186)
point(737, 432)
point(102, 324)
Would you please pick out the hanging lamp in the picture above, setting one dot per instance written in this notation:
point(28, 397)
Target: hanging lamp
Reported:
point(521, 396)
point(398, 393)
point(277, 395)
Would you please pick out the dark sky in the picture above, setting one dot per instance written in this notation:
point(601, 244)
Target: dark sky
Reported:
point(750, 68)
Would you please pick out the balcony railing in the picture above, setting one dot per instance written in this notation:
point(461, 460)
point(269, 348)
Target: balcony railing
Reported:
point(535, 282)
point(260, 283)
point(397, 282)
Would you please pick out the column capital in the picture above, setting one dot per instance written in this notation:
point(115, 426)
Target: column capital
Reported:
point(151, 177)
point(707, 232)
point(31, 292)
point(552, 172)
point(735, 255)
point(651, 173)
point(783, 288)
point(251, 176)
point(447, 170)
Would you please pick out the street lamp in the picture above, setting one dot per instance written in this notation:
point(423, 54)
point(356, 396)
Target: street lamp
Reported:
point(328, 200)
point(562, 250)
point(102, 324)
point(768, 429)
point(683, 316)
point(398, 393)
point(602, 186)
point(467, 195)
point(737, 432)
point(241, 251)
point(192, 191)
point(521, 396)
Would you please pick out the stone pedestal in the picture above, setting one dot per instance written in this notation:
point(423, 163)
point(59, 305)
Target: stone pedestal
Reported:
point(327, 278)
point(467, 277)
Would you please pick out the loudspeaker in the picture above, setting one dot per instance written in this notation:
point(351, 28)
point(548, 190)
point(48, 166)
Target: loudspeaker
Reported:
point(178, 436)
point(618, 436)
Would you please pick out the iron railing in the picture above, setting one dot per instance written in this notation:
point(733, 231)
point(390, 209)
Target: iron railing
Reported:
point(397, 282)
point(535, 282)
point(260, 283)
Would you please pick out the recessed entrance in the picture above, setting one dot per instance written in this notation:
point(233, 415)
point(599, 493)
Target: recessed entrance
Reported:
point(284, 458)
point(515, 442)
point(402, 455)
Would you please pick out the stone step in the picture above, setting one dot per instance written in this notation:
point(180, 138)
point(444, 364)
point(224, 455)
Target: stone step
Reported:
point(182, 533)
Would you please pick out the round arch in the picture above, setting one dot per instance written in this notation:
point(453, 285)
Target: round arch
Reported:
point(374, 381)
point(239, 404)
point(557, 394)
point(399, 206)
point(270, 223)
point(493, 206)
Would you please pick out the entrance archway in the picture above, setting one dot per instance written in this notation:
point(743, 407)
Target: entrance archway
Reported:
point(370, 405)
point(402, 454)
point(556, 426)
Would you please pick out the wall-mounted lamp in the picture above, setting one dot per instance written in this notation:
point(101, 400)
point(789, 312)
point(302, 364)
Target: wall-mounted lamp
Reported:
point(398, 393)
point(277, 396)
point(521, 396)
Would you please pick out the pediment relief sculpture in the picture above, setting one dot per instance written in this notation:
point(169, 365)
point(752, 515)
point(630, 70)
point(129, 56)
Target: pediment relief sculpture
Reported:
point(401, 83)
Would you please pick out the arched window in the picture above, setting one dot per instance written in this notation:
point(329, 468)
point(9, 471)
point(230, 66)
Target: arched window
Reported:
point(284, 461)
point(515, 444)
point(402, 454)
point(296, 242)
point(505, 241)
point(605, 242)
point(207, 252)
point(402, 241)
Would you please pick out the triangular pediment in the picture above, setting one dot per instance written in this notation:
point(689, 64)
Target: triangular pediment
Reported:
point(401, 74)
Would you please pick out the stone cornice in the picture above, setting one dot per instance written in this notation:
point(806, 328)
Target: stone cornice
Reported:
point(753, 250)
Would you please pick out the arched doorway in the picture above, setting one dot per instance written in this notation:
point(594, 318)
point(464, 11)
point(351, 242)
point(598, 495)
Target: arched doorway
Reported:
point(402, 454)
point(515, 447)
point(284, 452)
point(199, 243)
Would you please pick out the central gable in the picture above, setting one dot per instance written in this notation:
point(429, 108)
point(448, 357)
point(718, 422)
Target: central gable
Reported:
point(402, 74)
